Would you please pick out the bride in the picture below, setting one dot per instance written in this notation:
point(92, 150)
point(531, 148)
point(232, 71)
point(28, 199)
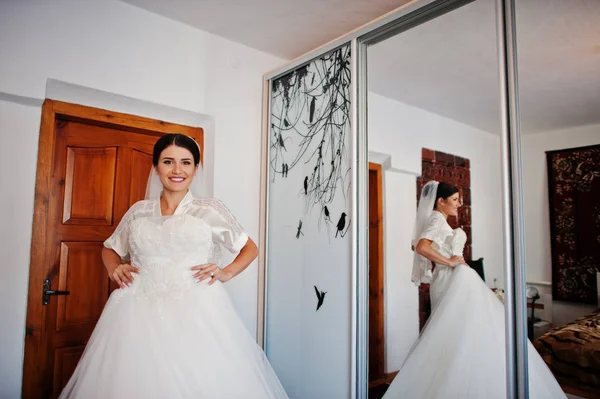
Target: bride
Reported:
point(460, 353)
point(171, 330)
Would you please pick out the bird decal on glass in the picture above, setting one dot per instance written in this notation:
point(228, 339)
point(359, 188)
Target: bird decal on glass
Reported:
point(326, 212)
point(299, 231)
point(341, 225)
point(320, 297)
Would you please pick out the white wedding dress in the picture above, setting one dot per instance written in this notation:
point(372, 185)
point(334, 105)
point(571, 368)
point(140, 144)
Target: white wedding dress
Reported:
point(167, 336)
point(461, 352)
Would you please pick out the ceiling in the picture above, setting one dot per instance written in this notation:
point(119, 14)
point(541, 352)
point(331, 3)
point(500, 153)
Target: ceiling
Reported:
point(285, 28)
point(447, 66)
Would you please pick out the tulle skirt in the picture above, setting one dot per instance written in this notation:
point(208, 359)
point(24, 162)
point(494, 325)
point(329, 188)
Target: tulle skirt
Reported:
point(461, 352)
point(189, 345)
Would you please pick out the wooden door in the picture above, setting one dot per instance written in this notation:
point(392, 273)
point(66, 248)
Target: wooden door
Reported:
point(376, 276)
point(92, 166)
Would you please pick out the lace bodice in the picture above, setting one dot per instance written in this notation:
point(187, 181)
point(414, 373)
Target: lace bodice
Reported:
point(459, 240)
point(165, 247)
point(446, 241)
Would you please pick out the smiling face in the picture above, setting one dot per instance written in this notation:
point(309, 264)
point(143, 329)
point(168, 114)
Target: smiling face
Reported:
point(449, 206)
point(176, 169)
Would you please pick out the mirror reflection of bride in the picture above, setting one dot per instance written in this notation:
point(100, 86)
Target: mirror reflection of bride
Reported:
point(461, 351)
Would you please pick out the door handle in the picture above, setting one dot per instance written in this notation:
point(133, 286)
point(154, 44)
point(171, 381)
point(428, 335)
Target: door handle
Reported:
point(46, 292)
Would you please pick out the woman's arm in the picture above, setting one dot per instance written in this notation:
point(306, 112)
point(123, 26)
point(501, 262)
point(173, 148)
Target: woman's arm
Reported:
point(247, 254)
point(118, 272)
point(425, 249)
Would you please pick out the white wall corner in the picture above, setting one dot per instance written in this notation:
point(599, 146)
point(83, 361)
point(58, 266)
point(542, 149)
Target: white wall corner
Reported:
point(385, 160)
point(22, 100)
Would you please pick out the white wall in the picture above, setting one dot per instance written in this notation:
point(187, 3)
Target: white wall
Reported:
point(535, 202)
point(114, 47)
point(400, 293)
point(17, 158)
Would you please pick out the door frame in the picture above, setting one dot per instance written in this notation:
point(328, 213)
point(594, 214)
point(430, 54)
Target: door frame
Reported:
point(39, 268)
point(378, 170)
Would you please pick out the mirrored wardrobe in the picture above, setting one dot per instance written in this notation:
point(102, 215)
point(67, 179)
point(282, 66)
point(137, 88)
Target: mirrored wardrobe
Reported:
point(375, 279)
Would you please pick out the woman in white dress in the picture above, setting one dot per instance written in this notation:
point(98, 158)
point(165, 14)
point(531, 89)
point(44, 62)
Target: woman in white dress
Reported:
point(461, 352)
point(171, 330)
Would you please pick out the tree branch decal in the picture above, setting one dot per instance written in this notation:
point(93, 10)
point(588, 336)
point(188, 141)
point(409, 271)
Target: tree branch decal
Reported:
point(310, 122)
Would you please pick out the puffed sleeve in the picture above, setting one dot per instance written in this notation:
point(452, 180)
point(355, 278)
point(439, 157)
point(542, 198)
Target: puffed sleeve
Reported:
point(433, 228)
point(226, 230)
point(119, 240)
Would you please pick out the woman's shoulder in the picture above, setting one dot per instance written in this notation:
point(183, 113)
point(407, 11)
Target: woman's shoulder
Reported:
point(142, 206)
point(212, 209)
point(437, 218)
point(210, 205)
point(208, 202)
point(439, 221)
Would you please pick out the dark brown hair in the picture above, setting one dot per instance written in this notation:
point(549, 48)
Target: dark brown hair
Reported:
point(444, 190)
point(180, 140)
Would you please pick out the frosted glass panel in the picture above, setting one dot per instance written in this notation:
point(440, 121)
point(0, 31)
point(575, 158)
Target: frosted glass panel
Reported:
point(309, 236)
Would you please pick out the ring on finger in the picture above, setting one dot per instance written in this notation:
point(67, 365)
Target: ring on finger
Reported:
point(212, 274)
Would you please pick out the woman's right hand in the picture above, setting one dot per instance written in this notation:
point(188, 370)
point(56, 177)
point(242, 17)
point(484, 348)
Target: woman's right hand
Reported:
point(121, 274)
point(456, 260)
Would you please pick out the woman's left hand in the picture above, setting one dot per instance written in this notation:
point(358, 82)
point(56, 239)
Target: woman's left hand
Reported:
point(212, 272)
